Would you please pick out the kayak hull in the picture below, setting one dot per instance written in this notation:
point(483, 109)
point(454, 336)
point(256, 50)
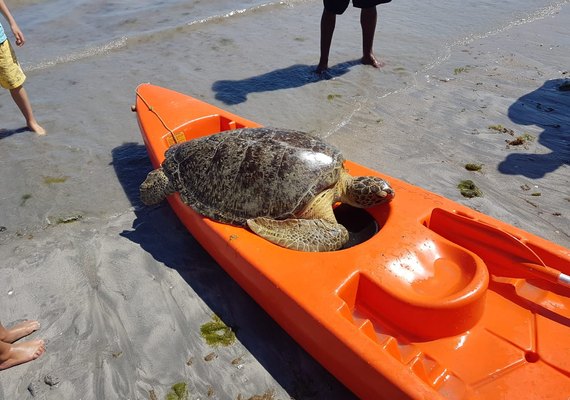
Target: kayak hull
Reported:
point(440, 302)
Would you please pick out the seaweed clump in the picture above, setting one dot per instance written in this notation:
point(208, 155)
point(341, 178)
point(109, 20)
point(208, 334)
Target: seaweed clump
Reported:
point(460, 70)
point(468, 189)
point(48, 180)
point(268, 395)
point(179, 391)
point(217, 333)
point(521, 140)
point(473, 167)
point(502, 129)
point(69, 219)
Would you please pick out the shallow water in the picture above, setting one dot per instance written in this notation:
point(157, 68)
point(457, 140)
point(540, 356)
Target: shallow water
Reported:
point(452, 69)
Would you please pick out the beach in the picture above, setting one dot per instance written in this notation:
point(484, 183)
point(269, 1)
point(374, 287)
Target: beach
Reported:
point(122, 291)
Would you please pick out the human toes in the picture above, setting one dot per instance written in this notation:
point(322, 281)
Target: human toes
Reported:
point(21, 330)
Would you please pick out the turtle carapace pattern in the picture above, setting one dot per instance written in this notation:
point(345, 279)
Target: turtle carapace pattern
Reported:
point(281, 183)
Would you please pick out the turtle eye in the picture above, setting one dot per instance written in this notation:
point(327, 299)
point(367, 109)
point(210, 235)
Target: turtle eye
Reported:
point(387, 193)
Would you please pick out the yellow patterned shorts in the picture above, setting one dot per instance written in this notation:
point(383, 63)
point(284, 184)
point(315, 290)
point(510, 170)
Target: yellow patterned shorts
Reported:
point(11, 75)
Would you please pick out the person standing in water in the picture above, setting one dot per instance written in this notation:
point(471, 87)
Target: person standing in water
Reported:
point(11, 75)
point(368, 18)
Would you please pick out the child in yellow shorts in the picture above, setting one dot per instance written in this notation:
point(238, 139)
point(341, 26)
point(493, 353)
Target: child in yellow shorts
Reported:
point(11, 75)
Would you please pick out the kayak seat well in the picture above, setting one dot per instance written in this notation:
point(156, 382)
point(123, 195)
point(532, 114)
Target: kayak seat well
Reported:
point(360, 224)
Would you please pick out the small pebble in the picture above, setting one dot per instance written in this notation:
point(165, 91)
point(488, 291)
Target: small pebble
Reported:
point(51, 380)
point(33, 389)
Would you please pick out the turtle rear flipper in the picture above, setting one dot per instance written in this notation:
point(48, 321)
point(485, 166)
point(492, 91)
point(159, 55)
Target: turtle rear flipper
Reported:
point(301, 234)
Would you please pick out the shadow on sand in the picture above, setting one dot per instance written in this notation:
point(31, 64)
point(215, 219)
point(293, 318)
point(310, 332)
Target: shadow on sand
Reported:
point(299, 374)
point(4, 133)
point(549, 108)
point(235, 92)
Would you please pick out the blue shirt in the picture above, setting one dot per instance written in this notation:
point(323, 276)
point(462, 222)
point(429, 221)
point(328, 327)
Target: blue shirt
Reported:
point(2, 34)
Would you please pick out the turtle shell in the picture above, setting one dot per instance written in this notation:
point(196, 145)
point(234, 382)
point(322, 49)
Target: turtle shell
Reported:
point(247, 173)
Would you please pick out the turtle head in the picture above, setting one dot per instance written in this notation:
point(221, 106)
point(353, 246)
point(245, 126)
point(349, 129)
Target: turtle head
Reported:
point(156, 187)
point(367, 191)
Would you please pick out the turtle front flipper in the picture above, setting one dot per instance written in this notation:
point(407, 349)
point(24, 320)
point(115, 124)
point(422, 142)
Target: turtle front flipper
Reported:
point(301, 234)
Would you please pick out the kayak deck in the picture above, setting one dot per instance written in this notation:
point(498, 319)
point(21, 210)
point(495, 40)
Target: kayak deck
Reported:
point(439, 302)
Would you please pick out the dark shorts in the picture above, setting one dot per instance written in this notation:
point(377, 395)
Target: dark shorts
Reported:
point(339, 6)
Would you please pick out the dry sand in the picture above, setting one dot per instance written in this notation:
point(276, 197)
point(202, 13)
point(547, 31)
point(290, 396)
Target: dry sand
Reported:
point(121, 305)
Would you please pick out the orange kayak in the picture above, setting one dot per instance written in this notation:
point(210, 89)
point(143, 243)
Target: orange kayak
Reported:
point(437, 301)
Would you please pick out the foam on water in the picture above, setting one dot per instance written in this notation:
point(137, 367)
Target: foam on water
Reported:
point(79, 55)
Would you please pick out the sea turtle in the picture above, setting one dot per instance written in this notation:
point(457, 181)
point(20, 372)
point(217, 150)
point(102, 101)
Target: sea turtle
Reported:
point(281, 183)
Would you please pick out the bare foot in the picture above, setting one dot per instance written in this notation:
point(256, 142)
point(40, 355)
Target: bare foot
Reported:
point(19, 331)
point(35, 127)
point(323, 65)
point(371, 60)
point(321, 68)
point(23, 352)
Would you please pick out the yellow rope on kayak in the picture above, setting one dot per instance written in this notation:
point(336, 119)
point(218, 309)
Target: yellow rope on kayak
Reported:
point(151, 109)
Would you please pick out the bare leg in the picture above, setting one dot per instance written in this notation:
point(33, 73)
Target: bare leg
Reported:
point(328, 22)
point(368, 18)
point(18, 331)
point(20, 96)
point(14, 354)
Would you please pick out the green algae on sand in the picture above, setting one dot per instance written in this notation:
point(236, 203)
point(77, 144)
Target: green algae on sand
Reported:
point(460, 70)
point(68, 219)
point(179, 391)
point(502, 129)
point(521, 140)
point(268, 395)
point(217, 333)
point(473, 167)
point(48, 180)
point(469, 189)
